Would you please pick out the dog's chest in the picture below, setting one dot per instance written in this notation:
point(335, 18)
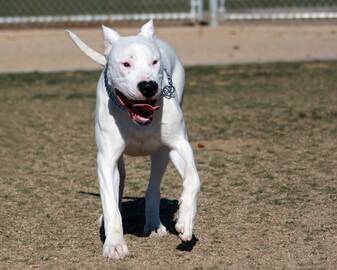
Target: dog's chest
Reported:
point(139, 144)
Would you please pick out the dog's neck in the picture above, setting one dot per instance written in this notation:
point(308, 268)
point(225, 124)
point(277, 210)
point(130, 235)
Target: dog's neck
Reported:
point(110, 90)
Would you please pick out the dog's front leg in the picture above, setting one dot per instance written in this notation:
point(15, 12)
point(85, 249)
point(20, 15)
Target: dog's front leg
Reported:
point(183, 159)
point(114, 246)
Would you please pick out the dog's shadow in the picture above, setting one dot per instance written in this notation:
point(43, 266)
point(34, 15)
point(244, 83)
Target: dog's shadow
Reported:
point(133, 216)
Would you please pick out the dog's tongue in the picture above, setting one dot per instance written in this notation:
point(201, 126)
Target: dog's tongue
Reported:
point(146, 110)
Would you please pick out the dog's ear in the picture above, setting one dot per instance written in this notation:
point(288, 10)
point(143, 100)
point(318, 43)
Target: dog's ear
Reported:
point(148, 30)
point(109, 37)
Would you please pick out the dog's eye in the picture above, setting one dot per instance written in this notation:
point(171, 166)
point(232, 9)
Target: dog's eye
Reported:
point(154, 62)
point(126, 64)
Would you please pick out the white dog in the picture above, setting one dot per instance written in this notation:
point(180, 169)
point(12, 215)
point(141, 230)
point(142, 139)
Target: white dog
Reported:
point(138, 112)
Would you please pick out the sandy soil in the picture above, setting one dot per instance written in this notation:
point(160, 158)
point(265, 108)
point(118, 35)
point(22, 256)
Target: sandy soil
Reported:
point(264, 138)
point(51, 49)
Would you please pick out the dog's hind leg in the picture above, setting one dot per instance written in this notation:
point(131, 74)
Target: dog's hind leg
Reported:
point(153, 225)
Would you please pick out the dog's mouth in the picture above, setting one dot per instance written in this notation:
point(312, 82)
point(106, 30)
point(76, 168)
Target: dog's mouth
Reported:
point(140, 111)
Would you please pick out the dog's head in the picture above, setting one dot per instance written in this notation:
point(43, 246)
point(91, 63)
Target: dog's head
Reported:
point(134, 69)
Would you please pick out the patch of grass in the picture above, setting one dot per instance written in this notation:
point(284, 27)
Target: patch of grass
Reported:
point(267, 163)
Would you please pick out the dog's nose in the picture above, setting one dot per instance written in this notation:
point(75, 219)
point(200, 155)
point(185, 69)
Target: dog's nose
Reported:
point(148, 88)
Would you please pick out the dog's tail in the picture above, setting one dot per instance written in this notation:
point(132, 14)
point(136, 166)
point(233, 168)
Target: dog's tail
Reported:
point(96, 56)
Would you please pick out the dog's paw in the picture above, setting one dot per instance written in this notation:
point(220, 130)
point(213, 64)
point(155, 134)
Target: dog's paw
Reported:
point(184, 224)
point(184, 230)
point(115, 251)
point(155, 232)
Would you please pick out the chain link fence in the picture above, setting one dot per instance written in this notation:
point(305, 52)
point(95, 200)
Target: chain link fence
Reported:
point(88, 11)
point(277, 9)
point(54, 11)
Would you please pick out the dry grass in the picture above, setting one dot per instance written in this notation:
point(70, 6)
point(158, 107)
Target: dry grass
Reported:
point(265, 143)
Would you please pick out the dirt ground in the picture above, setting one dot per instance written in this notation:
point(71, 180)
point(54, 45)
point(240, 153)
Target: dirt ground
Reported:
point(51, 49)
point(265, 143)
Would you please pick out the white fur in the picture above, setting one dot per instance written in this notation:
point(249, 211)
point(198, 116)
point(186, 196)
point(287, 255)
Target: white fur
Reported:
point(97, 57)
point(165, 138)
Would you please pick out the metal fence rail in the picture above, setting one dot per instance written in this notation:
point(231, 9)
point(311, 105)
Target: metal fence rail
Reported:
point(54, 11)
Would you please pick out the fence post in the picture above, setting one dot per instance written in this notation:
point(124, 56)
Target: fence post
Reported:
point(222, 8)
point(213, 13)
point(200, 10)
point(197, 10)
